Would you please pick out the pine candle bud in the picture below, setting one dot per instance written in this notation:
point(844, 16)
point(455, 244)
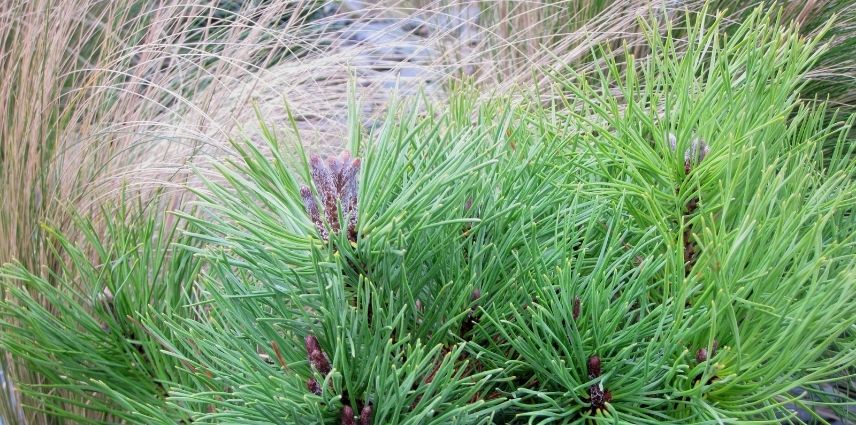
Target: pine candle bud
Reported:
point(311, 344)
point(316, 357)
point(476, 294)
point(313, 386)
point(692, 205)
point(336, 181)
point(697, 151)
point(593, 367)
point(702, 355)
point(598, 398)
point(348, 415)
point(470, 320)
point(319, 362)
point(312, 210)
point(695, 154)
point(575, 310)
point(366, 415)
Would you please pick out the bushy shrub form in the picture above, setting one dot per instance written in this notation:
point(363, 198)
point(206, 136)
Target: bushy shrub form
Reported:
point(671, 245)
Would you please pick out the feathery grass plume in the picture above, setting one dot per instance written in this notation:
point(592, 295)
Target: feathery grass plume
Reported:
point(9, 407)
point(393, 48)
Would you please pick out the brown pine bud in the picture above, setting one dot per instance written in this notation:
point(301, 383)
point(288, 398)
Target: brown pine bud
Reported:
point(319, 362)
point(598, 398)
point(336, 180)
point(692, 205)
point(695, 154)
point(312, 210)
point(366, 415)
point(702, 354)
point(593, 367)
point(321, 175)
point(348, 193)
point(316, 357)
point(471, 320)
point(311, 344)
point(106, 296)
point(313, 386)
point(468, 324)
point(575, 310)
point(348, 415)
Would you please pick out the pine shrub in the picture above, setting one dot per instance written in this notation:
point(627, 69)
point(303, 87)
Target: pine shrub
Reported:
point(671, 245)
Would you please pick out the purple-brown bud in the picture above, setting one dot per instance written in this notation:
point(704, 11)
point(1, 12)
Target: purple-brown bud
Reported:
point(336, 181)
point(575, 310)
point(593, 367)
point(692, 205)
point(311, 344)
point(313, 386)
point(348, 415)
point(470, 321)
point(319, 362)
point(598, 398)
point(695, 154)
point(366, 415)
point(316, 357)
point(702, 354)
